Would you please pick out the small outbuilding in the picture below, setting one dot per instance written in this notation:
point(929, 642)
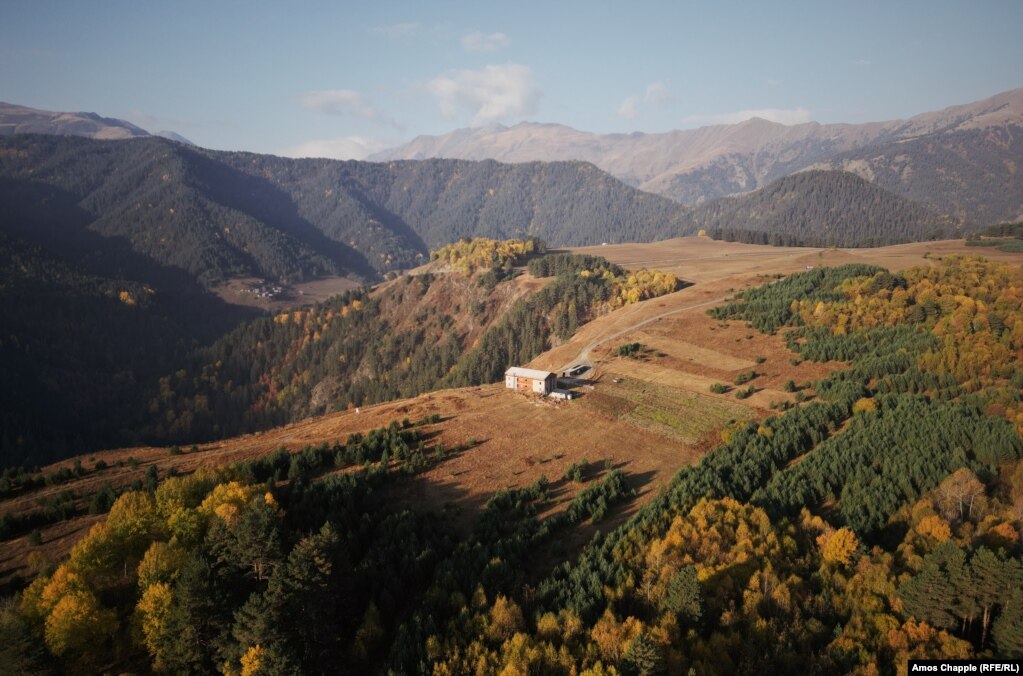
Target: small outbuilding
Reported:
point(530, 380)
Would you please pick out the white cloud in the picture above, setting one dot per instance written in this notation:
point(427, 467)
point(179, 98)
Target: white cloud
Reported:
point(345, 103)
point(490, 94)
point(479, 42)
point(398, 31)
point(657, 93)
point(345, 148)
point(627, 108)
point(861, 62)
point(779, 115)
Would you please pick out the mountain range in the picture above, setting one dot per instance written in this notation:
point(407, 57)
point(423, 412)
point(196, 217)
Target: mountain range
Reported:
point(147, 209)
point(108, 248)
point(16, 119)
point(820, 208)
point(961, 160)
point(219, 215)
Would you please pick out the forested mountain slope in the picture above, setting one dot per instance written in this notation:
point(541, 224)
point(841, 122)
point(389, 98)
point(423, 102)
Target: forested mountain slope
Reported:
point(93, 361)
point(220, 215)
point(78, 344)
point(821, 208)
point(419, 333)
point(972, 174)
point(876, 521)
point(165, 203)
point(440, 201)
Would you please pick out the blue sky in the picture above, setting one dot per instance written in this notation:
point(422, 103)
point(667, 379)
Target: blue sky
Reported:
point(343, 78)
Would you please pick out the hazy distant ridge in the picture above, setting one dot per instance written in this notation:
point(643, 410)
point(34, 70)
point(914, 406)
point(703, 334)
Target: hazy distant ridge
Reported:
point(700, 164)
point(16, 119)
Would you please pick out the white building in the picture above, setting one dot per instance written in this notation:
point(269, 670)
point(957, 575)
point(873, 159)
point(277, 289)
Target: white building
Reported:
point(530, 380)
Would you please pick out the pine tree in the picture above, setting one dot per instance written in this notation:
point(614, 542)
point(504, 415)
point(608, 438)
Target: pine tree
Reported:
point(643, 658)
point(992, 577)
point(682, 595)
point(1008, 628)
point(930, 595)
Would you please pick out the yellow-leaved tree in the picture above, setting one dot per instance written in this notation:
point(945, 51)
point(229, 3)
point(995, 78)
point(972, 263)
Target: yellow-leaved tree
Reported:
point(252, 661)
point(152, 612)
point(839, 546)
point(505, 619)
point(78, 623)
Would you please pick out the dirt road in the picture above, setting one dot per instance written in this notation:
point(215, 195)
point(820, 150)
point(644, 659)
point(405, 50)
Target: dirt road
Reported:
point(583, 358)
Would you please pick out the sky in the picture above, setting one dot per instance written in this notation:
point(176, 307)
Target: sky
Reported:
point(344, 79)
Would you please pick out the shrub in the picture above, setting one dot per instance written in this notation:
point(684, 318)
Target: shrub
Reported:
point(630, 349)
point(745, 377)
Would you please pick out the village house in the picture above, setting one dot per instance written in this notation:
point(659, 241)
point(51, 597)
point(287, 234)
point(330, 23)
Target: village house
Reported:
point(530, 380)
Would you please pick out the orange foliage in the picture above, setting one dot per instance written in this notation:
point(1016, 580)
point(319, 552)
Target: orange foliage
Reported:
point(936, 527)
point(972, 306)
point(839, 546)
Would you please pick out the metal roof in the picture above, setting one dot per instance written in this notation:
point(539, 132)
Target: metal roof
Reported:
point(535, 374)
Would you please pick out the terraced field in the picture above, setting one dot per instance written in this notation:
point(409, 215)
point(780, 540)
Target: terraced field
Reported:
point(662, 409)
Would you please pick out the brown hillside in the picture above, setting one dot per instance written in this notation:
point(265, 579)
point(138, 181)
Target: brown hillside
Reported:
point(658, 417)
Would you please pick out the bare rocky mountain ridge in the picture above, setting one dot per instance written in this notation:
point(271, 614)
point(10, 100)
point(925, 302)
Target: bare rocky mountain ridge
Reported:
point(695, 165)
point(16, 119)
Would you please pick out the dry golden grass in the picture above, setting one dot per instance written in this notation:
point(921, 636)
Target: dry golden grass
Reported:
point(700, 259)
point(518, 439)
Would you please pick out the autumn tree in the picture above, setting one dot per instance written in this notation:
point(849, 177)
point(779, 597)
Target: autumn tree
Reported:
point(78, 625)
point(838, 546)
point(960, 495)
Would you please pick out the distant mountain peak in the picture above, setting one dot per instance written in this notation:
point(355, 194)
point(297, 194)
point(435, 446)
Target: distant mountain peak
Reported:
point(173, 136)
point(15, 119)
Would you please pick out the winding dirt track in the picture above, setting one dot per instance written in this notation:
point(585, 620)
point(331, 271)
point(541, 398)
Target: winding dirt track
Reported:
point(583, 358)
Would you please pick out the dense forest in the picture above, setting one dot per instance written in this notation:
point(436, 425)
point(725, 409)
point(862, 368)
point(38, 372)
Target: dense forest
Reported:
point(275, 566)
point(1007, 237)
point(219, 215)
point(419, 333)
point(820, 208)
point(78, 345)
point(969, 174)
point(877, 521)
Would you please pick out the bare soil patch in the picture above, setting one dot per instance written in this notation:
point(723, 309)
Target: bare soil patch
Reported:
point(252, 292)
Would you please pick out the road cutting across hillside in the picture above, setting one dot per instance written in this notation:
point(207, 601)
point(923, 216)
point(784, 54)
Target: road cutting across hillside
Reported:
point(583, 358)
